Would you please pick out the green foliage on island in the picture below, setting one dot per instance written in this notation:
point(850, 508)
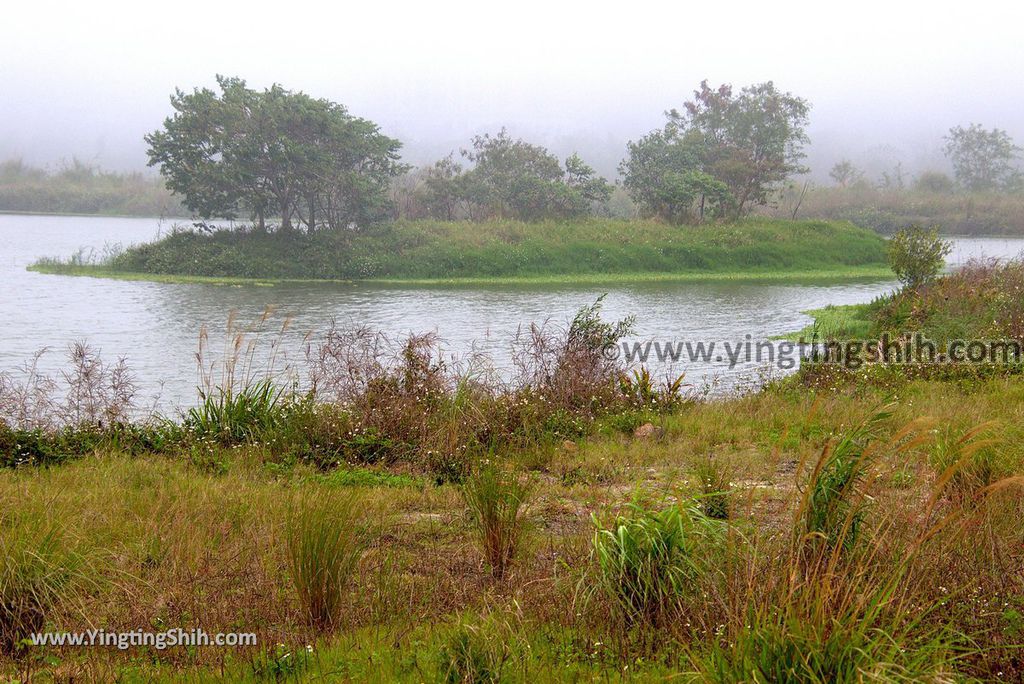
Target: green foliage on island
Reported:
point(433, 250)
point(723, 155)
point(274, 153)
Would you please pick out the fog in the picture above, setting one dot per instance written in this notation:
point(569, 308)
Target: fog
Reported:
point(886, 80)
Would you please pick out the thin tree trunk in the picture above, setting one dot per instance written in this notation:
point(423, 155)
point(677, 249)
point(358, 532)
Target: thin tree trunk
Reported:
point(286, 218)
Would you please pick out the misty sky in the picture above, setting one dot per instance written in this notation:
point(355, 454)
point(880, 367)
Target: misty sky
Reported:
point(885, 79)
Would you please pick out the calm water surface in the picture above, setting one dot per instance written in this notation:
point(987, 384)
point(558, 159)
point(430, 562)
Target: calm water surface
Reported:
point(156, 326)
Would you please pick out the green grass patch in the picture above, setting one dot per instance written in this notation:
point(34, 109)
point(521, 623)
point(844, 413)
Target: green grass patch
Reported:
point(431, 252)
point(365, 477)
point(836, 322)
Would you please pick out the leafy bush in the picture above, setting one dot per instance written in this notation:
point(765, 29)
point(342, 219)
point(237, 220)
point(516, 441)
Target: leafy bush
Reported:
point(917, 255)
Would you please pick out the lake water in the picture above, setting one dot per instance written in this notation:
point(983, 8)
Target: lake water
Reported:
point(156, 326)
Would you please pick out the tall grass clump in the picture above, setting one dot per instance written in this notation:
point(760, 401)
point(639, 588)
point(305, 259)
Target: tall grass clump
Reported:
point(497, 503)
point(241, 391)
point(862, 641)
point(840, 605)
point(713, 481)
point(477, 652)
point(966, 463)
point(37, 571)
point(233, 416)
point(648, 561)
point(833, 507)
point(326, 534)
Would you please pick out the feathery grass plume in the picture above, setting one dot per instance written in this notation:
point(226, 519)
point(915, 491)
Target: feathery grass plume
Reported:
point(647, 560)
point(967, 463)
point(241, 393)
point(94, 393)
point(326, 533)
point(497, 503)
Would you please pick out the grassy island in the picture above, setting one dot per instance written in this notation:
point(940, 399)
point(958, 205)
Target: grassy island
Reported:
point(591, 250)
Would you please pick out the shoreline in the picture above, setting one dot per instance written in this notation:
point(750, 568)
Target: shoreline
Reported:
point(838, 275)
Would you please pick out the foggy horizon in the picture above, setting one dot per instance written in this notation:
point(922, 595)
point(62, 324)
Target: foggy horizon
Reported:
point(885, 82)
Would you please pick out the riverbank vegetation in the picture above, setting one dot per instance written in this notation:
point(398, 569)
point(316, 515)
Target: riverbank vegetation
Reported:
point(977, 301)
point(889, 209)
point(507, 250)
point(577, 521)
point(78, 188)
point(973, 311)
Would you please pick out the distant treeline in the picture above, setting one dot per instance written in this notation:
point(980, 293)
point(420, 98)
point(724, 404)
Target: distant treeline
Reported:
point(931, 200)
point(77, 188)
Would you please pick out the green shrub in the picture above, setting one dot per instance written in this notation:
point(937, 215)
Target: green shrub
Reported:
point(916, 255)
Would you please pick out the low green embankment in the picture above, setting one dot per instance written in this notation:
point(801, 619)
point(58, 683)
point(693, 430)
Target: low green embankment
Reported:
point(979, 301)
point(502, 251)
